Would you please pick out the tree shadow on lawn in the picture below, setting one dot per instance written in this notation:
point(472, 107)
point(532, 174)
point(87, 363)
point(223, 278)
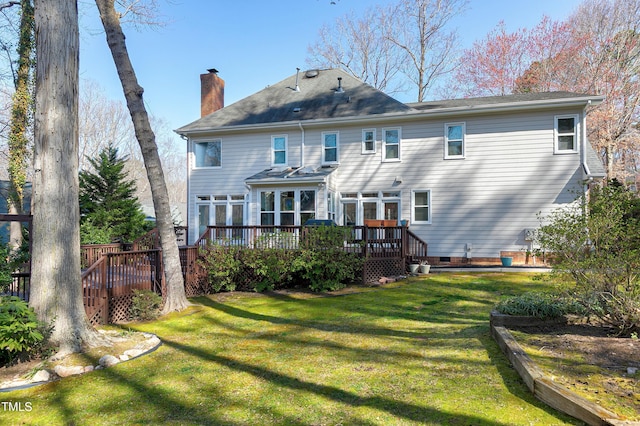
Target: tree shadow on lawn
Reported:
point(396, 408)
point(321, 326)
point(427, 300)
point(358, 354)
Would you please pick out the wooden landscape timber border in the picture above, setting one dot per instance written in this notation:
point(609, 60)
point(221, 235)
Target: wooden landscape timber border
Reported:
point(542, 387)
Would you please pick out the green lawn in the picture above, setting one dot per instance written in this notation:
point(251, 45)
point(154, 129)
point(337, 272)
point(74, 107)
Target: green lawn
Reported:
point(413, 352)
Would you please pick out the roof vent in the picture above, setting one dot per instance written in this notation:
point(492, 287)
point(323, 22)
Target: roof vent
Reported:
point(340, 89)
point(311, 73)
point(297, 89)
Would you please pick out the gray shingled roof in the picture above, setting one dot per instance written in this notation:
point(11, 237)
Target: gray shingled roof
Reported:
point(495, 100)
point(318, 98)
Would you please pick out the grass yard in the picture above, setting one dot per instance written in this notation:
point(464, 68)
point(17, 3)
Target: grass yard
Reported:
point(413, 352)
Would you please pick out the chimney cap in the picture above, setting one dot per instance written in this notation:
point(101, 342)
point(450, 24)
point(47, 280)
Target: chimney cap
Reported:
point(213, 70)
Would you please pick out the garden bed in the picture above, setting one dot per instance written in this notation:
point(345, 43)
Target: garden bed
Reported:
point(584, 358)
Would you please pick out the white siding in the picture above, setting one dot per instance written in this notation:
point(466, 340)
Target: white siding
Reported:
point(509, 175)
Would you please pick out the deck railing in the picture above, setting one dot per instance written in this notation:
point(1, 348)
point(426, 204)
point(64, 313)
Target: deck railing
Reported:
point(109, 283)
point(371, 241)
point(90, 253)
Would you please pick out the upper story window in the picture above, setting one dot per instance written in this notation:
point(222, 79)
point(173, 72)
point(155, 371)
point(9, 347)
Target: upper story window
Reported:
point(421, 206)
point(566, 134)
point(279, 150)
point(208, 154)
point(454, 140)
point(391, 144)
point(369, 141)
point(330, 146)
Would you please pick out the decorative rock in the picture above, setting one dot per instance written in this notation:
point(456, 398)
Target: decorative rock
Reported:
point(66, 371)
point(132, 353)
point(153, 342)
point(108, 360)
point(41, 376)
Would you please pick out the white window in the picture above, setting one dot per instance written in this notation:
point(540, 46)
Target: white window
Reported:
point(330, 147)
point(421, 206)
point(358, 207)
point(331, 206)
point(391, 144)
point(279, 150)
point(203, 218)
point(267, 208)
point(454, 140)
point(208, 154)
point(566, 134)
point(287, 207)
point(221, 211)
point(307, 206)
point(369, 141)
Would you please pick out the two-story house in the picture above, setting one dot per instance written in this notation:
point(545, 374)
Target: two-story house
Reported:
point(468, 176)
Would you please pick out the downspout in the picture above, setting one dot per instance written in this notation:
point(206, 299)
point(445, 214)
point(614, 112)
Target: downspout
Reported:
point(189, 236)
point(301, 144)
point(583, 153)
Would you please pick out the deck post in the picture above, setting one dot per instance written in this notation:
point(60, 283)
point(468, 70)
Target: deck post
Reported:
point(103, 294)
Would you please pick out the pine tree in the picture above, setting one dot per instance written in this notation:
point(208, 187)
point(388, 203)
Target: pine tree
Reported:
point(108, 205)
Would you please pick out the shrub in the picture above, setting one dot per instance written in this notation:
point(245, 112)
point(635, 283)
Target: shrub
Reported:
point(145, 305)
point(271, 268)
point(597, 243)
point(539, 305)
point(323, 263)
point(21, 335)
point(221, 265)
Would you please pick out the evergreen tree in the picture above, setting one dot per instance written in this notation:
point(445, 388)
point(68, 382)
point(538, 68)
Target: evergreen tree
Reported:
point(108, 205)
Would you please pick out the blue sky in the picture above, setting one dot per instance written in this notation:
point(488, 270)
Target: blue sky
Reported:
point(253, 43)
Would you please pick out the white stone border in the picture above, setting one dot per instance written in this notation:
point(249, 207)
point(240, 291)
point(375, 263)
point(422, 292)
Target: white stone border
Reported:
point(44, 376)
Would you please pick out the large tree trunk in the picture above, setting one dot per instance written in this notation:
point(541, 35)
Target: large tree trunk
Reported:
point(56, 290)
point(176, 299)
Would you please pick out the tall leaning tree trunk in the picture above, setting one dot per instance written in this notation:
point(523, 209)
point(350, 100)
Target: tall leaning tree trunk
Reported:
point(56, 290)
point(21, 103)
point(176, 299)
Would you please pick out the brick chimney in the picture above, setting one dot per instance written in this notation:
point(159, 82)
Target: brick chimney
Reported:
point(211, 92)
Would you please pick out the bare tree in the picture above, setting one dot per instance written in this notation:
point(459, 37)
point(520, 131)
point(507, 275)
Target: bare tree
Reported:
point(359, 46)
point(56, 290)
point(409, 37)
point(418, 28)
point(176, 298)
point(102, 122)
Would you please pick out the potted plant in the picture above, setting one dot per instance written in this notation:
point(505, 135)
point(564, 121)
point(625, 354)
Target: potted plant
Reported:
point(424, 267)
point(506, 260)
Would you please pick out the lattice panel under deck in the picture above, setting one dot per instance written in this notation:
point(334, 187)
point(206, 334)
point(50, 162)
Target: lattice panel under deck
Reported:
point(120, 308)
point(96, 318)
point(374, 269)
